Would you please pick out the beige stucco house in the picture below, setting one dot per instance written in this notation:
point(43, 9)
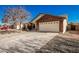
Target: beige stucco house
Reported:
point(17, 25)
point(46, 22)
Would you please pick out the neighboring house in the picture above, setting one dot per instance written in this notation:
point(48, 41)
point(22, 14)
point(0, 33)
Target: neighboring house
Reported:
point(46, 22)
point(17, 25)
point(73, 27)
point(21, 26)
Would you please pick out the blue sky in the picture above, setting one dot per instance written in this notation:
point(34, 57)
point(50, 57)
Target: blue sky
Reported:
point(71, 10)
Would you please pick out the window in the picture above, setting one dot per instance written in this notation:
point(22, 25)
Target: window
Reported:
point(57, 22)
point(41, 23)
point(54, 22)
point(51, 22)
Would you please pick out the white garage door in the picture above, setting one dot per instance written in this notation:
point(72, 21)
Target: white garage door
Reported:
point(49, 26)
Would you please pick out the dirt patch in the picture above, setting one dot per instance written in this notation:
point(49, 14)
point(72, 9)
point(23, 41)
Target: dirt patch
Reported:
point(60, 44)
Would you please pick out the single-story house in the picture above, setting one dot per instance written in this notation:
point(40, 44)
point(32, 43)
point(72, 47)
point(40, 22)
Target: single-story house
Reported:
point(73, 27)
point(50, 23)
point(22, 26)
point(18, 25)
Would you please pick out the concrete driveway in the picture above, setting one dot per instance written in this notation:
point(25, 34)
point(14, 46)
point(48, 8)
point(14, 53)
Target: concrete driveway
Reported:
point(62, 43)
point(24, 42)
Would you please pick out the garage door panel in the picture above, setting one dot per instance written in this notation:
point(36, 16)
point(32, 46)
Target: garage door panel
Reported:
point(49, 26)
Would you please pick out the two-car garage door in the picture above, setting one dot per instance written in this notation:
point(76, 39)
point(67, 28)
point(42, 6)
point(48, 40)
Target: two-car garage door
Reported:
point(49, 26)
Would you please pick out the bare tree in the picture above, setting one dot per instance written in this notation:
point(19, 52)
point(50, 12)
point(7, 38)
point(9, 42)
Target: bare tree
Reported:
point(14, 15)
